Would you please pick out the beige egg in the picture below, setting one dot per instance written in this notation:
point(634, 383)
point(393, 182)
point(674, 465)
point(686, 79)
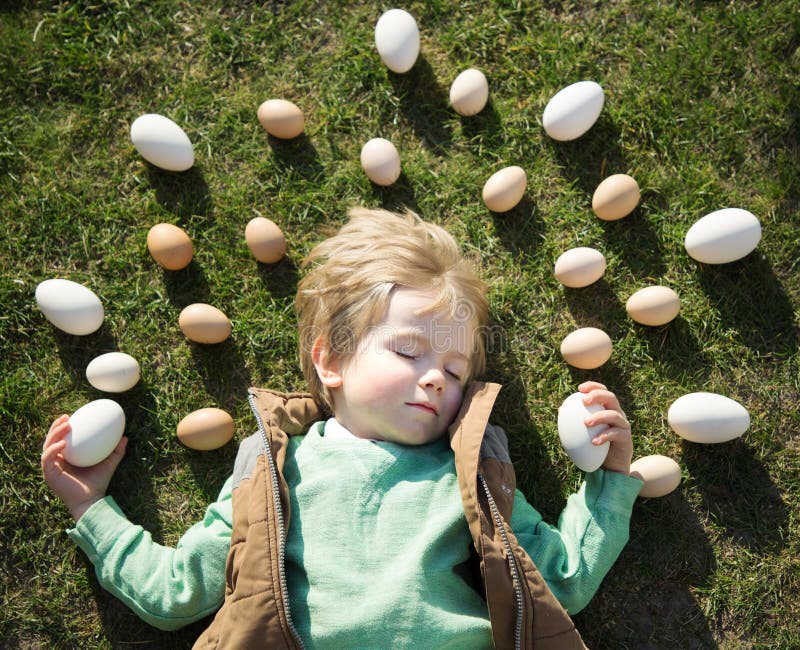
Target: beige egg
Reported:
point(616, 197)
point(654, 305)
point(661, 475)
point(469, 92)
point(586, 348)
point(205, 429)
point(204, 324)
point(505, 189)
point(380, 161)
point(265, 240)
point(170, 246)
point(579, 267)
point(281, 118)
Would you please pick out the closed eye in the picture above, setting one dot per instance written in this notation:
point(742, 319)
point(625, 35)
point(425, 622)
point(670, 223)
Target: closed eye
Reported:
point(404, 355)
point(454, 375)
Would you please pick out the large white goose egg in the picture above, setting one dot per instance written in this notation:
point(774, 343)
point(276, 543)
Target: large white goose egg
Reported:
point(397, 40)
point(580, 267)
point(70, 306)
point(573, 110)
point(708, 418)
point(162, 142)
point(576, 438)
point(96, 428)
point(114, 372)
point(661, 475)
point(723, 236)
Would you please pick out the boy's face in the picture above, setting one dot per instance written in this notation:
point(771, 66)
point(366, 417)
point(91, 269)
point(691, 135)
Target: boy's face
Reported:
point(405, 382)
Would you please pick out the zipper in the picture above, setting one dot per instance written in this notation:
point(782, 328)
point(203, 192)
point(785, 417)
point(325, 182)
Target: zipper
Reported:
point(512, 563)
point(276, 495)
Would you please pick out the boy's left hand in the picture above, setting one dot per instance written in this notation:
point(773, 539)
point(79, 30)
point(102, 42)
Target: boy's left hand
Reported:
point(620, 450)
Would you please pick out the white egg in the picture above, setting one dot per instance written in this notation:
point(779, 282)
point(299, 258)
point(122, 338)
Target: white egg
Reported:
point(723, 236)
point(708, 418)
point(469, 92)
point(573, 110)
point(96, 428)
point(661, 475)
point(580, 267)
point(397, 40)
point(70, 306)
point(162, 142)
point(114, 372)
point(576, 438)
point(380, 161)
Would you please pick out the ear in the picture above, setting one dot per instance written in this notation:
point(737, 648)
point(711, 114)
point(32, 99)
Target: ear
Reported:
point(328, 366)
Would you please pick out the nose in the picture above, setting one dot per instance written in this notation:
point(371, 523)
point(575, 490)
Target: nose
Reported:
point(433, 378)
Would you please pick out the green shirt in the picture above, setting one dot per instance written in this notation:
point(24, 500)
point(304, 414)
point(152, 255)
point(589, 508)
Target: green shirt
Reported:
point(377, 543)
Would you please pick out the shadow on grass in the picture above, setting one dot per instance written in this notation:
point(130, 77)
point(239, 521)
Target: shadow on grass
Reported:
point(425, 105)
point(520, 229)
point(280, 279)
point(536, 475)
point(646, 600)
point(738, 493)
point(750, 298)
point(597, 306)
point(297, 154)
point(187, 286)
point(185, 194)
point(224, 372)
point(483, 129)
point(676, 350)
point(77, 351)
point(397, 196)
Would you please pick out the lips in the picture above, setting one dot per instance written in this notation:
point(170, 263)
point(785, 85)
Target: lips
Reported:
point(425, 406)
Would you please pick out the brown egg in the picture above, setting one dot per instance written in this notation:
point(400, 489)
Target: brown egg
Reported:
point(205, 429)
point(616, 197)
point(586, 348)
point(265, 240)
point(204, 324)
point(653, 306)
point(505, 189)
point(580, 267)
point(281, 118)
point(469, 92)
point(661, 475)
point(170, 246)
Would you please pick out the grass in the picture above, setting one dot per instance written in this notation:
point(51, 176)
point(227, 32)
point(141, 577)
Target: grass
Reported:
point(701, 108)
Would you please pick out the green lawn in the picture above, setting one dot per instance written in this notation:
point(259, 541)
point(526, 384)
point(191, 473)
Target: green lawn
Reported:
point(701, 108)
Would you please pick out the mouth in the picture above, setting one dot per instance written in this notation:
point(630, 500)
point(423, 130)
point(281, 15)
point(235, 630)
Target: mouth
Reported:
point(425, 406)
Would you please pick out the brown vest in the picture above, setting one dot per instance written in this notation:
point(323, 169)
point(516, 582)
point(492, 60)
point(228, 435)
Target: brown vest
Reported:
point(255, 613)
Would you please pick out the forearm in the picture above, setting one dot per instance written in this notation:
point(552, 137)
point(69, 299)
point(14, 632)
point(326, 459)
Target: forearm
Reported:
point(167, 587)
point(575, 556)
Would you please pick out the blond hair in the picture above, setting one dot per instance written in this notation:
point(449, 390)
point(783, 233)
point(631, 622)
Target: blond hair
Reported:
point(350, 277)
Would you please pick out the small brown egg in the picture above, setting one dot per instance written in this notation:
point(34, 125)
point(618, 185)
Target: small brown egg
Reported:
point(265, 240)
point(380, 161)
point(661, 475)
point(505, 189)
point(281, 118)
point(170, 246)
point(586, 348)
point(616, 197)
point(579, 267)
point(653, 306)
point(205, 429)
point(204, 324)
point(469, 92)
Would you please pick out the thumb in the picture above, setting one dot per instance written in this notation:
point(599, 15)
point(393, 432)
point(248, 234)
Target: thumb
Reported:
point(117, 455)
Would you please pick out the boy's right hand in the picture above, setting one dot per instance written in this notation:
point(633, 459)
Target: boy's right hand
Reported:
point(78, 487)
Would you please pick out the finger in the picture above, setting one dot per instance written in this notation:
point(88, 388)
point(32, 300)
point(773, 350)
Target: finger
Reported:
point(588, 386)
point(603, 397)
point(613, 434)
point(57, 431)
point(50, 457)
point(609, 417)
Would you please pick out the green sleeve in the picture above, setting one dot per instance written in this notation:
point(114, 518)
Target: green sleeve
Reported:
point(167, 587)
point(592, 530)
